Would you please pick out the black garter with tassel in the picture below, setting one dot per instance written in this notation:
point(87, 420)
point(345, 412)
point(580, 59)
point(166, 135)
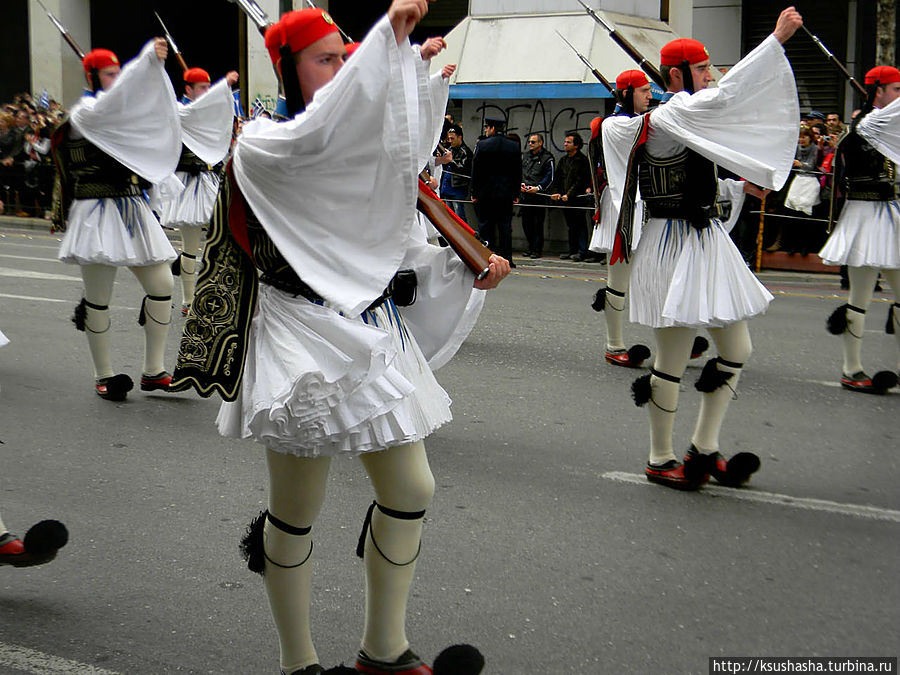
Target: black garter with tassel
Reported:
point(711, 378)
point(640, 390)
point(837, 322)
point(80, 316)
point(251, 545)
point(889, 327)
point(599, 303)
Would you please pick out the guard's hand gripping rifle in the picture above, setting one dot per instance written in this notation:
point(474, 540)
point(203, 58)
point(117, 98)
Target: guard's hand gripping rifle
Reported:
point(645, 65)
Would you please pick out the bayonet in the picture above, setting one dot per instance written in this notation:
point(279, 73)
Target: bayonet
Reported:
point(606, 83)
point(645, 65)
point(171, 42)
point(840, 66)
point(67, 36)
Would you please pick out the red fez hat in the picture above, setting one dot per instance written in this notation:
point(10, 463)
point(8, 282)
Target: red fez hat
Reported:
point(195, 76)
point(674, 53)
point(99, 59)
point(352, 47)
point(883, 75)
point(298, 29)
point(631, 78)
point(595, 127)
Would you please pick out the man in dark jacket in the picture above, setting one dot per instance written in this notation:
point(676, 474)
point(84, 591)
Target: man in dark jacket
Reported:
point(496, 185)
point(537, 174)
point(573, 179)
point(457, 162)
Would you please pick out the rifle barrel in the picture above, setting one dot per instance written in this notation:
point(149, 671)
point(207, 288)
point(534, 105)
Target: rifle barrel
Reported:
point(840, 66)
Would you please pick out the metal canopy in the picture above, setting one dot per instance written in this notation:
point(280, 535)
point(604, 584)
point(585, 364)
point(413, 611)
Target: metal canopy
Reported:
point(520, 56)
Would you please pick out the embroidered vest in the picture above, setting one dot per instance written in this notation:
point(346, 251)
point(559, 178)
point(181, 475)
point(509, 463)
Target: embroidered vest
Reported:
point(868, 175)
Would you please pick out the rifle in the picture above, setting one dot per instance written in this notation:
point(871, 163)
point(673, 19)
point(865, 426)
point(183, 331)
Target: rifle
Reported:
point(255, 13)
point(346, 37)
point(606, 83)
point(840, 66)
point(645, 65)
point(67, 36)
point(171, 41)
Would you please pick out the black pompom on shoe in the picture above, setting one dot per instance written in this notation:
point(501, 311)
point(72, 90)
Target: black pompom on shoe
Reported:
point(640, 390)
point(837, 322)
point(599, 303)
point(711, 378)
point(252, 544)
point(40, 545)
point(114, 388)
point(459, 660)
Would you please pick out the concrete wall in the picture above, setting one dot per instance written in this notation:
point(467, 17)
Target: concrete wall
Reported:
point(54, 66)
point(261, 80)
point(717, 24)
point(646, 8)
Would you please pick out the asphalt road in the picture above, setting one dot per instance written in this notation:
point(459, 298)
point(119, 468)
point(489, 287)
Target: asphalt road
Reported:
point(545, 546)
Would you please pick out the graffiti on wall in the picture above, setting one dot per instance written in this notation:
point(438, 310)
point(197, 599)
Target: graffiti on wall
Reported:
point(554, 119)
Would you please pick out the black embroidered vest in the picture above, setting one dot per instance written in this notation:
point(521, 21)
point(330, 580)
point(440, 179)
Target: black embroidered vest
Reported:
point(682, 186)
point(867, 174)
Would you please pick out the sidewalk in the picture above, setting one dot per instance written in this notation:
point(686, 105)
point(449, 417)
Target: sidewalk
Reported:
point(776, 266)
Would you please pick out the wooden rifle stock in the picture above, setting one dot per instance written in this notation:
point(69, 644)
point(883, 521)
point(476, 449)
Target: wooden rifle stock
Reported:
point(68, 38)
point(459, 236)
point(181, 61)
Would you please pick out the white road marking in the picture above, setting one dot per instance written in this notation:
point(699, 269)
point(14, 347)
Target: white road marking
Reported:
point(30, 257)
point(32, 661)
point(32, 298)
point(30, 274)
point(809, 504)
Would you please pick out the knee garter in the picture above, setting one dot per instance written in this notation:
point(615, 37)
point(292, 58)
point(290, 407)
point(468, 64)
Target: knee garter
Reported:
point(367, 525)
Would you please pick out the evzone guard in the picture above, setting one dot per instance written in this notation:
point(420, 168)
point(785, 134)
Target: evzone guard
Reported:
point(867, 235)
point(206, 112)
point(687, 273)
point(313, 227)
point(121, 137)
point(633, 96)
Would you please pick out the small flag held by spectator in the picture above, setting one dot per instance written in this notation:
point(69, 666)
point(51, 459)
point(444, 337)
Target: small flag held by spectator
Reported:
point(258, 108)
point(44, 101)
point(238, 110)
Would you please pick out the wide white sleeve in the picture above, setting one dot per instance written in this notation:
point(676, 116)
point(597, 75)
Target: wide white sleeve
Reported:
point(446, 307)
point(136, 121)
point(731, 190)
point(335, 187)
point(206, 124)
point(881, 128)
point(748, 124)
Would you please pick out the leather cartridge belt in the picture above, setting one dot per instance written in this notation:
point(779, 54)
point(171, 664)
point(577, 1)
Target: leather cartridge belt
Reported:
point(85, 188)
point(403, 284)
point(871, 191)
point(698, 215)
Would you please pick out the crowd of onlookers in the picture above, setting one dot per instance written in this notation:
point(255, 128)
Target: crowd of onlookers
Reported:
point(26, 168)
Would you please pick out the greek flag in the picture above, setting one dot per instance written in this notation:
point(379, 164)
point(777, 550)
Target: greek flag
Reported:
point(44, 101)
point(257, 109)
point(238, 110)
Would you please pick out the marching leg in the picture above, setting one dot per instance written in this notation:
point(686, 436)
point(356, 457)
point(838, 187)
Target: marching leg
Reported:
point(156, 314)
point(404, 487)
point(893, 278)
point(190, 251)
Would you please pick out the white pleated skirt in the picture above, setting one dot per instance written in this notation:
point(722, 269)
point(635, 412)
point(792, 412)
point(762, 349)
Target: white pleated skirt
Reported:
point(867, 235)
point(317, 383)
point(603, 238)
point(194, 206)
point(3, 339)
point(120, 231)
point(682, 276)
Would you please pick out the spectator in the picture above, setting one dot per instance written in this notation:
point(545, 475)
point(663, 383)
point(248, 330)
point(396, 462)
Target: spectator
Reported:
point(456, 178)
point(573, 179)
point(496, 184)
point(834, 125)
point(802, 195)
point(537, 174)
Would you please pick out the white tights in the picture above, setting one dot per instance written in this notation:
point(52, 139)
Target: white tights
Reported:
point(98, 285)
point(673, 350)
point(862, 287)
point(618, 280)
point(402, 481)
point(191, 245)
